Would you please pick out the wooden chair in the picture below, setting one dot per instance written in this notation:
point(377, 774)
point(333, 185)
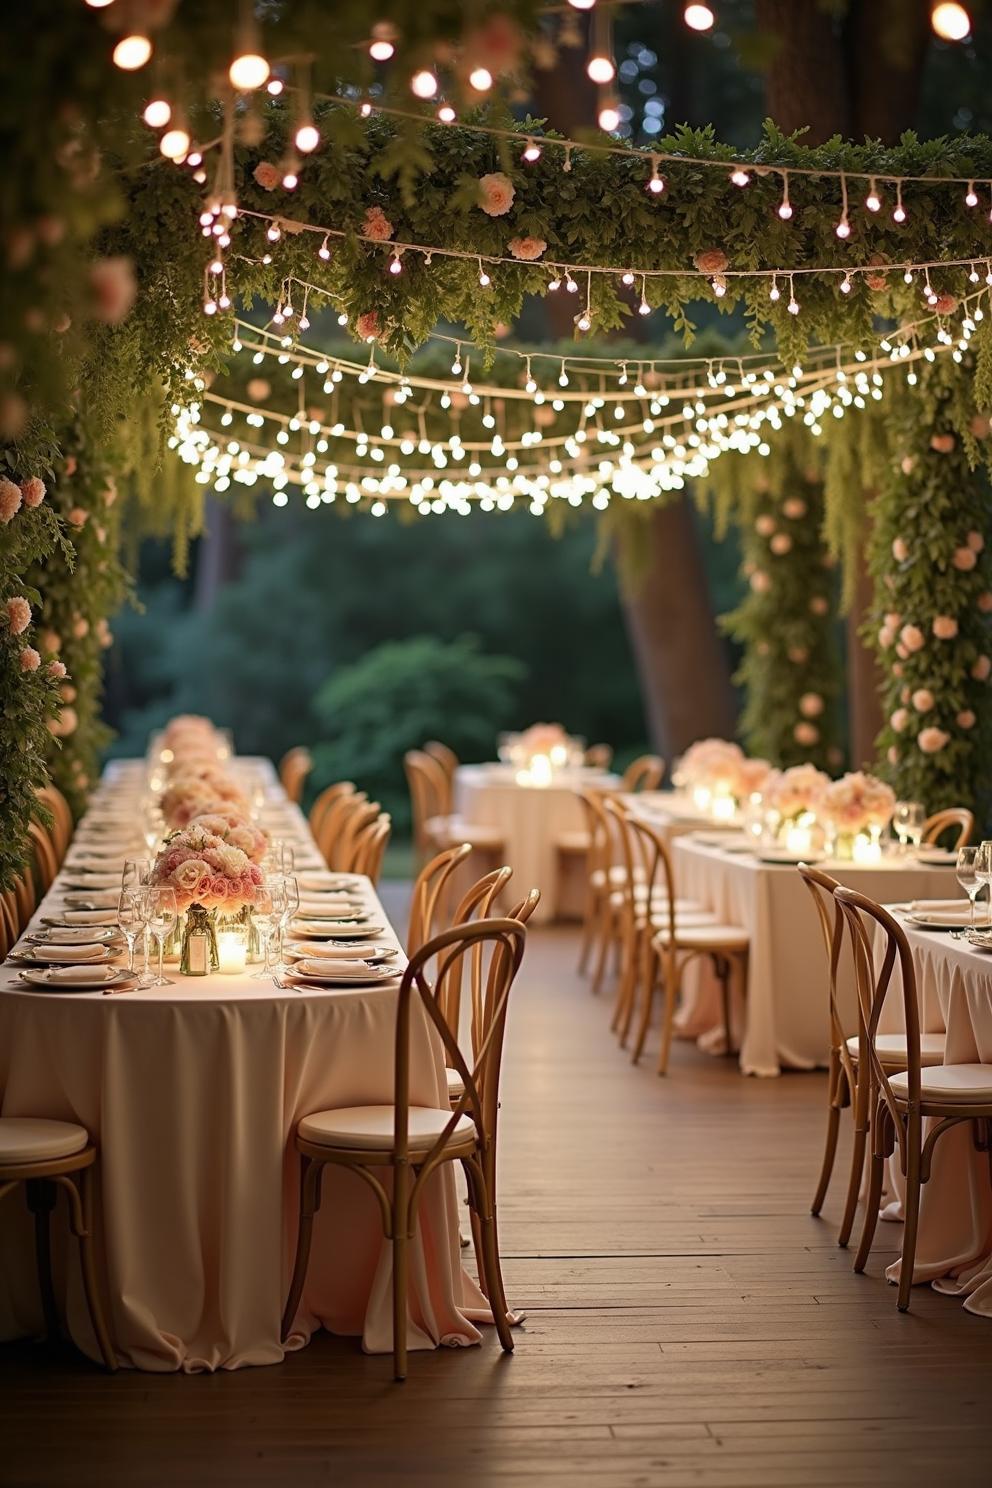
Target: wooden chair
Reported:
point(413, 1141)
point(22, 901)
point(344, 850)
point(449, 762)
point(62, 826)
point(599, 756)
point(370, 847)
point(946, 1093)
point(428, 894)
point(44, 857)
point(956, 818)
point(325, 802)
point(429, 805)
point(46, 1156)
point(9, 929)
point(849, 1081)
point(336, 818)
point(294, 767)
point(643, 773)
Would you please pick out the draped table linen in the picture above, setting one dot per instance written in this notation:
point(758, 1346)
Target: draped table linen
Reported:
point(954, 1243)
point(192, 1093)
point(784, 1015)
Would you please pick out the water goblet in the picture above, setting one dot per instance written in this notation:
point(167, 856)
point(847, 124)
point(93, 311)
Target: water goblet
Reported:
point(914, 822)
point(900, 823)
point(968, 877)
point(285, 891)
point(265, 914)
point(162, 912)
point(130, 922)
point(136, 874)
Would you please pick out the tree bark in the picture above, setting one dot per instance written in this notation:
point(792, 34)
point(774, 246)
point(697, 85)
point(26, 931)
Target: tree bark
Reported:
point(218, 554)
point(806, 83)
point(681, 660)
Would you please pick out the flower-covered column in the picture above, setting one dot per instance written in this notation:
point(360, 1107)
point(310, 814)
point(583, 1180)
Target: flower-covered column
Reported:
point(933, 585)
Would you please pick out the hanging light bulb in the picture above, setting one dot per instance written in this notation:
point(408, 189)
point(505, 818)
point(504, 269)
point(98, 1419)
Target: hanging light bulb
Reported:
point(951, 22)
point(174, 143)
point(575, 4)
point(699, 17)
point(290, 180)
point(274, 86)
point(307, 137)
point(971, 195)
point(248, 72)
point(600, 69)
point(740, 177)
point(423, 84)
point(774, 293)
point(627, 278)
point(785, 206)
point(845, 284)
point(873, 201)
point(531, 151)
point(132, 52)
point(843, 228)
point(899, 214)
point(324, 251)
point(481, 79)
point(395, 267)
point(446, 114)
point(583, 321)
point(157, 113)
point(484, 278)
point(381, 47)
point(655, 183)
point(609, 117)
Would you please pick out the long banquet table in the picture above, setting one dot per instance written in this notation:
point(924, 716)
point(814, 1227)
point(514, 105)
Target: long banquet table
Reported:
point(192, 1092)
point(954, 1244)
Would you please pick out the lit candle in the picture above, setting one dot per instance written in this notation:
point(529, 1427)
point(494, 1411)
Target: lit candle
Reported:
point(559, 755)
point(797, 840)
point(701, 797)
point(723, 807)
point(232, 951)
point(865, 850)
point(540, 770)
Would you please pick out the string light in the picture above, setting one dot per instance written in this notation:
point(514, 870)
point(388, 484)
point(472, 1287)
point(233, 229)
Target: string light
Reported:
point(274, 87)
point(793, 305)
point(655, 183)
point(531, 151)
point(644, 308)
point(951, 22)
point(699, 17)
point(774, 293)
point(971, 195)
point(873, 201)
point(600, 69)
point(324, 251)
point(381, 47)
point(446, 114)
point(132, 52)
point(157, 113)
point(481, 79)
point(845, 284)
point(484, 278)
point(609, 117)
point(843, 228)
point(899, 213)
point(248, 71)
point(307, 138)
point(175, 143)
point(785, 206)
point(423, 84)
point(395, 266)
point(740, 177)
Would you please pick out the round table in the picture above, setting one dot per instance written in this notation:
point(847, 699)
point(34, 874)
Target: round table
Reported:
point(533, 819)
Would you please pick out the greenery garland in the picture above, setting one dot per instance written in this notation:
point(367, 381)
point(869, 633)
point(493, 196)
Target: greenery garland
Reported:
point(929, 556)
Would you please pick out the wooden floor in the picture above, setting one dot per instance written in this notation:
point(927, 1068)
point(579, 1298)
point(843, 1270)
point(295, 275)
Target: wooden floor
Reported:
point(688, 1322)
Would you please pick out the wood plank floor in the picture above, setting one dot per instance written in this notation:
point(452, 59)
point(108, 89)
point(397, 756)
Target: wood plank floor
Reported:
point(688, 1322)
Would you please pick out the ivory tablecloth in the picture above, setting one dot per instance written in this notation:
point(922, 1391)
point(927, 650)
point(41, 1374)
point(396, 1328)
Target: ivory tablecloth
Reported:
point(193, 1092)
point(954, 1244)
point(531, 818)
point(784, 1016)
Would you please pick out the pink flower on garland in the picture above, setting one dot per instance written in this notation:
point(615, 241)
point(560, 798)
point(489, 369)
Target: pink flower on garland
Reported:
point(975, 541)
point(923, 700)
point(496, 193)
point(527, 248)
point(56, 669)
point(806, 733)
point(33, 491)
point(984, 601)
point(114, 289)
point(18, 614)
point(30, 660)
point(966, 719)
point(912, 638)
point(711, 261)
point(794, 507)
point(981, 669)
point(900, 551)
point(932, 740)
point(964, 559)
point(899, 720)
point(78, 516)
point(377, 225)
point(781, 544)
point(945, 627)
point(368, 327)
point(267, 175)
point(10, 500)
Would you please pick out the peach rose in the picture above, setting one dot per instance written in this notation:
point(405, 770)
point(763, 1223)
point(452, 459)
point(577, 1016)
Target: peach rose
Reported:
point(981, 668)
point(30, 660)
point(818, 605)
point(18, 614)
point(981, 426)
point(811, 704)
point(496, 193)
point(77, 516)
point(899, 720)
point(975, 540)
point(892, 755)
point(711, 261)
point(966, 719)
point(897, 669)
point(527, 248)
point(56, 669)
point(912, 638)
point(806, 733)
point(886, 637)
point(900, 551)
point(942, 444)
point(932, 740)
point(10, 500)
point(946, 304)
point(781, 544)
point(964, 559)
point(33, 491)
point(81, 628)
point(798, 655)
point(267, 175)
point(764, 525)
point(376, 225)
point(984, 601)
point(114, 289)
point(893, 619)
point(760, 582)
point(945, 627)
point(923, 700)
point(367, 326)
point(794, 508)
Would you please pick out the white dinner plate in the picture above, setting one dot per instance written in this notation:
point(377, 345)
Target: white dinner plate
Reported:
point(85, 883)
point(351, 951)
point(384, 977)
point(785, 859)
point(936, 857)
point(87, 978)
point(35, 955)
point(92, 918)
point(67, 935)
point(331, 930)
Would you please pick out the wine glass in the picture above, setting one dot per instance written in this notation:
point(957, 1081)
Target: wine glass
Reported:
point(900, 823)
point(135, 875)
point(983, 871)
point(914, 821)
point(160, 906)
point(285, 892)
point(967, 876)
point(265, 913)
point(279, 858)
point(130, 922)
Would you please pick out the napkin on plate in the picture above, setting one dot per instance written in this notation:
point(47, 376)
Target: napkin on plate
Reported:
point(336, 952)
point(329, 928)
point(102, 899)
point(328, 905)
point(92, 878)
point(77, 975)
point(941, 911)
point(353, 970)
point(86, 917)
point(88, 951)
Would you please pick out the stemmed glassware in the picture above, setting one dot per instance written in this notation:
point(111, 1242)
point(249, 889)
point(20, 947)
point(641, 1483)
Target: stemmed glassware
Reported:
point(983, 871)
point(285, 891)
point(279, 858)
point(265, 914)
point(160, 906)
point(130, 922)
point(968, 877)
point(907, 822)
point(135, 876)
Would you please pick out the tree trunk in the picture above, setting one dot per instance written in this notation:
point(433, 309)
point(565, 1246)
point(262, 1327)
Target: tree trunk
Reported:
point(218, 554)
point(681, 661)
point(806, 84)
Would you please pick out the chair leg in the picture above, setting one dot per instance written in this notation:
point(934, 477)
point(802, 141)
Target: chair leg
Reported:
point(40, 1196)
point(872, 1201)
point(490, 1254)
point(856, 1175)
point(671, 989)
point(310, 1176)
point(911, 1226)
point(647, 1000)
point(640, 945)
point(401, 1226)
point(603, 931)
point(588, 927)
point(722, 967)
point(88, 1264)
point(835, 1087)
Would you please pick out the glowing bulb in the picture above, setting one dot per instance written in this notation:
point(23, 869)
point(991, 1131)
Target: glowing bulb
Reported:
point(971, 196)
point(600, 69)
point(99, 4)
point(248, 71)
point(843, 228)
point(531, 151)
point(583, 322)
point(395, 267)
point(627, 278)
point(481, 79)
point(644, 308)
point(423, 84)
point(323, 251)
point(290, 180)
point(785, 210)
point(174, 144)
point(793, 307)
point(873, 201)
point(774, 293)
point(273, 233)
point(899, 215)
point(158, 113)
point(132, 52)
point(609, 118)
point(274, 87)
point(950, 22)
point(845, 285)
point(210, 307)
point(381, 51)
point(570, 285)
point(484, 279)
point(446, 114)
point(575, 4)
point(698, 17)
point(307, 138)
point(740, 177)
point(216, 267)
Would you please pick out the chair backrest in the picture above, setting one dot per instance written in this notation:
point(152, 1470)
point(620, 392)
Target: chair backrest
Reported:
point(336, 818)
point(294, 767)
point(599, 828)
point(62, 823)
point(503, 940)
point(477, 903)
point(45, 860)
point(449, 762)
point(831, 917)
point(324, 803)
point(23, 900)
point(872, 988)
point(344, 851)
point(370, 847)
point(599, 756)
point(427, 890)
point(956, 818)
point(647, 863)
point(643, 773)
point(9, 930)
point(428, 785)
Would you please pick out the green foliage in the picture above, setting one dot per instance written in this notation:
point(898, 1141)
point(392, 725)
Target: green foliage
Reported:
point(932, 510)
point(401, 694)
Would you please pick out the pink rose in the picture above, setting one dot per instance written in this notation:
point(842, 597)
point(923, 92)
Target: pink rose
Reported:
point(33, 491)
point(376, 225)
point(923, 700)
point(980, 426)
point(806, 733)
point(892, 755)
point(114, 289)
point(975, 541)
point(932, 740)
point(886, 637)
point(10, 500)
point(893, 619)
point(946, 303)
point(527, 248)
point(899, 720)
point(68, 720)
point(981, 668)
point(907, 464)
point(18, 614)
point(811, 704)
point(912, 638)
point(56, 669)
point(984, 602)
point(964, 559)
point(798, 655)
point(81, 628)
point(30, 659)
point(818, 605)
point(942, 444)
point(77, 516)
point(905, 695)
point(67, 692)
point(267, 175)
point(711, 261)
point(945, 627)
point(900, 551)
point(966, 719)
point(760, 582)
point(496, 193)
point(367, 326)
point(781, 544)
point(51, 640)
point(764, 525)
point(897, 669)
point(794, 508)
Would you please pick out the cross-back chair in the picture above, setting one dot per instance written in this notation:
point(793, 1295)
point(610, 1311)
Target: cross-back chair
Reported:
point(9, 927)
point(359, 815)
point(294, 767)
point(643, 773)
point(599, 756)
point(427, 898)
point(44, 857)
point(22, 901)
point(325, 803)
point(370, 847)
point(904, 1100)
point(449, 762)
point(62, 824)
point(412, 1142)
point(428, 785)
point(955, 818)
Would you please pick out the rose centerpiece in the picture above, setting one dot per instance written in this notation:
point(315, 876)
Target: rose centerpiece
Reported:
point(854, 809)
point(210, 876)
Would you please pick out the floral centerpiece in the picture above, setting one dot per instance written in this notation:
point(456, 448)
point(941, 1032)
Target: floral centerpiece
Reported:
point(208, 874)
point(234, 829)
point(855, 808)
point(794, 792)
point(710, 765)
point(203, 790)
